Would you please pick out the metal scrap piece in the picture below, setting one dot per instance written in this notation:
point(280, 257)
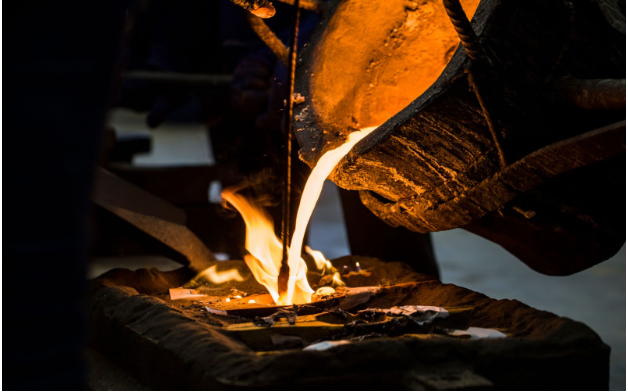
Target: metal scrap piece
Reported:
point(417, 313)
point(474, 333)
point(326, 345)
point(260, 8)
point(357, 296)
point(269, 321)
point(216, 311)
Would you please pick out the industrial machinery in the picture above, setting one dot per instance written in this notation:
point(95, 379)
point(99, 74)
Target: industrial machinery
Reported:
point(505, 118)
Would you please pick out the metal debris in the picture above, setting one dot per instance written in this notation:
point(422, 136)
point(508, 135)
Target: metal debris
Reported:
point(326, 345)
point(234, 293)
point(417, 313)
point(269, 321)
point(216, 311)
point(474, 333)
point(298, 98)
point(358, 296)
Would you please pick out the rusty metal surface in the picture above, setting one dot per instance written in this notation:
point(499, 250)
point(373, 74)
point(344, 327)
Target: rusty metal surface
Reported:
point(600, 94)
point(434, 164)
point(558, 210)
point(188, 350)
point(261, 8)
point(268, 37)
point(481, 74)
point(465, 31)
point(505, 185)
point(152, 215)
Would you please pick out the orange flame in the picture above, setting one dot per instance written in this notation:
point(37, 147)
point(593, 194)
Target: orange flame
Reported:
point(319, 258)
point(265, 249)
point(218, 277)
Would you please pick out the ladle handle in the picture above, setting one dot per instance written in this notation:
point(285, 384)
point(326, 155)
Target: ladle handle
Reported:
point(270, 39)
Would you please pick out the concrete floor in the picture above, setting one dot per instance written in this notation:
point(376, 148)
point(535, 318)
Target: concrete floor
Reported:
point(596, 296)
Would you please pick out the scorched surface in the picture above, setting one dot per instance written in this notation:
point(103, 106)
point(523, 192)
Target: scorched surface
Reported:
point(179, 344)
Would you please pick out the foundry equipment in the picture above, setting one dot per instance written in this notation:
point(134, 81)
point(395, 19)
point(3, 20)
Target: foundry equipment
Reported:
point(364, 337)
point(506, 118)
point(517, 135)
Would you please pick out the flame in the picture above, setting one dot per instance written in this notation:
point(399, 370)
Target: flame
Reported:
point(265, 250)
point(219, 277)
point(337, 280)
point(264, 247)
point(325, 266)
point(319, 258)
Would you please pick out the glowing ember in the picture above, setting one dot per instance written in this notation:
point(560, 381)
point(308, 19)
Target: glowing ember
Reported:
point(265, 250)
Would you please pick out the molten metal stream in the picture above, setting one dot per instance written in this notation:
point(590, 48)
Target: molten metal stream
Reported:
point(265, 249)
point(311, 193)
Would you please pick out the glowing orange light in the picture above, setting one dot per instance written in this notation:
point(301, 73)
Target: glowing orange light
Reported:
point(265, 251)
point(219, 277)
point(311, 193)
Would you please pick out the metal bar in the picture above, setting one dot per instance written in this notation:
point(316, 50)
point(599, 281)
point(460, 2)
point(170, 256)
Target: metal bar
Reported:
point(261, 8)
point(152, 215)
point(284, 271)
point(463, 27)
point(270, 39)
point(608, 94)
point(490, 121)
point(479, 59)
